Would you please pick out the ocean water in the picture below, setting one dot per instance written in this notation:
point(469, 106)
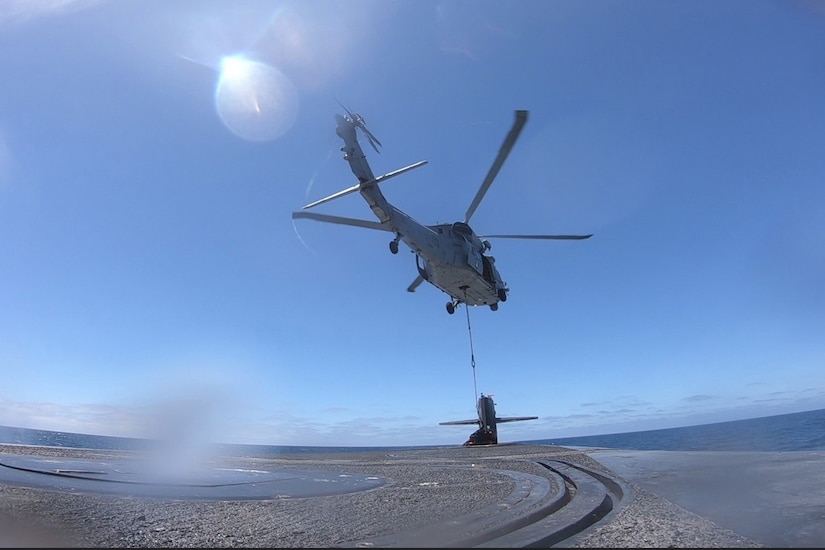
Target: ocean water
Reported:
point(802, 431)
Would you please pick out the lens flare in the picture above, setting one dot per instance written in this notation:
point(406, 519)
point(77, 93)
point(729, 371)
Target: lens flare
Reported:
point(254, 100)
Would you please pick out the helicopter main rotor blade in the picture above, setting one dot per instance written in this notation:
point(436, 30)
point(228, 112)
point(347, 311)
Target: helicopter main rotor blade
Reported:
point(553, 237)
point(339, 220)
point(509, 141)
point(359, 186)
point(341, 193)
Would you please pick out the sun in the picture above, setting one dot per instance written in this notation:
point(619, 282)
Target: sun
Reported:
point(254, 100)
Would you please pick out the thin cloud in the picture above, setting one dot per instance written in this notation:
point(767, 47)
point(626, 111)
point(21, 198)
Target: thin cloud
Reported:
point(697, 398)
point(22, 11)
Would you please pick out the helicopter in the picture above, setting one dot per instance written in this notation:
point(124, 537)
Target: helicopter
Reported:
point(450, 256)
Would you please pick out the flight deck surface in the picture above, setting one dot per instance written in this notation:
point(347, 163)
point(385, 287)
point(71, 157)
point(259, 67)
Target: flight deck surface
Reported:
point(506, 495)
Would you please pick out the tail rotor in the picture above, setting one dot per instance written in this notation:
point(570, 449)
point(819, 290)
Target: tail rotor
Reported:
point(358, 122)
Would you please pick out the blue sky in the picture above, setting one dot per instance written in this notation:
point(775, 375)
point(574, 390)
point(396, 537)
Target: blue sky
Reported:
point(153, 282)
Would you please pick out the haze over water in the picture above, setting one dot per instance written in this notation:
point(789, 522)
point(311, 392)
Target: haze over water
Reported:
point(803, 431)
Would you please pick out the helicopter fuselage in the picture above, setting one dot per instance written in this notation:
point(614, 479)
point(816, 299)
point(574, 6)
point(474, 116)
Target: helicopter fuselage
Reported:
point(451, 257)
point(448, 256)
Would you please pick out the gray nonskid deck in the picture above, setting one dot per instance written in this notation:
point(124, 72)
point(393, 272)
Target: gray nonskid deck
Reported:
point(496, 496)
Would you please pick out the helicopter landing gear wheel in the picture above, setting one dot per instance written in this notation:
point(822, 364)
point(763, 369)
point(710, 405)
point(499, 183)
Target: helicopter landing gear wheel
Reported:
point(394, 246)
point(450, 307)
point(494, 307)
point(502, 295)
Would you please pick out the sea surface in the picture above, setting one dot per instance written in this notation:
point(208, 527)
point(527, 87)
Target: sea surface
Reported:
point(802, 431)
